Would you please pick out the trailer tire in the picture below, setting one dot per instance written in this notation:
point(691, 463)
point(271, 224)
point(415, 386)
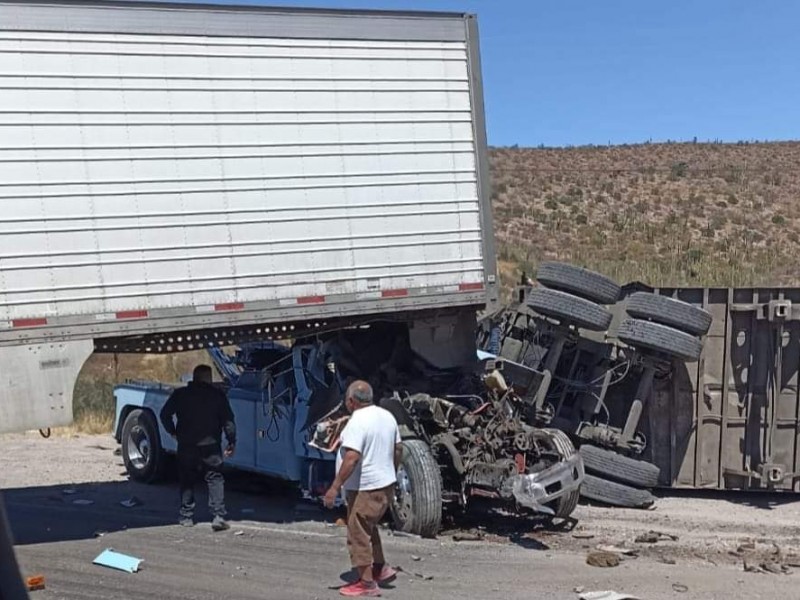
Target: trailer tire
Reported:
point(579, 281)
point(565, 505)
point(417, 504)
point(660, 338)
point(144, 459)
point(569, 309)
point(615, 494)
point(668, 311)
point(619, 468)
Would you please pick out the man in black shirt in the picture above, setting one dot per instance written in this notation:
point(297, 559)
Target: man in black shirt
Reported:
point(203, 413)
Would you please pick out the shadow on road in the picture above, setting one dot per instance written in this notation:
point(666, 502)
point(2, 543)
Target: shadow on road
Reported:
point(72, 512)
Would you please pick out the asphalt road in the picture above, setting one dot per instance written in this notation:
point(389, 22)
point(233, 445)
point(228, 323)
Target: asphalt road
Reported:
point(289, 550)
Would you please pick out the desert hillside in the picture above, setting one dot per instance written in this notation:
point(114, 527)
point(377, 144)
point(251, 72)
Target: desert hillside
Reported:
point(697, 214)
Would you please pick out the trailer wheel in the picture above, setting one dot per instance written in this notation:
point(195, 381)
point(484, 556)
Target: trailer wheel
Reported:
point(668, 311)
point(417, 505)
point(615, 494)
point(142, 454)
point(569, 309)
point(617, 467)
point(565, 505)
point(660, 338)
point(579, 281)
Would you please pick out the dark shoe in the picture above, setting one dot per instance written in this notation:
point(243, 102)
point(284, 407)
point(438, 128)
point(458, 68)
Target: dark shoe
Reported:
point(219, 524)
point(383, 574)
point(186, 522)
point(360, 588)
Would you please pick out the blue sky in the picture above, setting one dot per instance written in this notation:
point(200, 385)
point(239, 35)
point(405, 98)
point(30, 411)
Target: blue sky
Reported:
point(569, 72)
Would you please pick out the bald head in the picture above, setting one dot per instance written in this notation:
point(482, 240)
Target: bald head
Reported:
point(359, 393)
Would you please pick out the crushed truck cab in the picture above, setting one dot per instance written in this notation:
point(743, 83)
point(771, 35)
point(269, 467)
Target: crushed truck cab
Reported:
point(465, 439)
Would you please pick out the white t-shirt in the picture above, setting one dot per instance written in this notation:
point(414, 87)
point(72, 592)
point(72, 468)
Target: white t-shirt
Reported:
point(371, 431)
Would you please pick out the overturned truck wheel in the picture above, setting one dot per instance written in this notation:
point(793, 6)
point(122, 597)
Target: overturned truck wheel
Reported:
point(615, 494)
point(668, 311)
point(417, 505)
point(617, 467)
point(579, 281)
point(660, 338)
point(568, 308)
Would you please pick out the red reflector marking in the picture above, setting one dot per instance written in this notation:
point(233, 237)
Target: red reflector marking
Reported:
point(229, 306)
point(28, 322)
point(311, 300)
point(132, 314)
point(394, 293)
point(470, 287)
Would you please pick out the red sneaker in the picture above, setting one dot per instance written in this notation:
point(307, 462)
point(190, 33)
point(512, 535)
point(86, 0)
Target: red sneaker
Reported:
point(383, 574)
point(360, 588)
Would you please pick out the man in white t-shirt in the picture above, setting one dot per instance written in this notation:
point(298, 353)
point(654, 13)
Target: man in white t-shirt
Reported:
point(367, 470)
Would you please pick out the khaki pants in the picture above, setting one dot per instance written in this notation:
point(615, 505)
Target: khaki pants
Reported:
point(365, 509)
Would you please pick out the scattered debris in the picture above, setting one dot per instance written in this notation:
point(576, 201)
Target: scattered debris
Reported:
point(619, 550)
point(35, 583)
point(131, 502)
point(582, 535)
point(578, 589)
point(416, 558)
point(116, 560)
point(652, 537)
point(69, 491)
point(603, 559)
point(665, 560)
point(400, 569)
point(83, 502)
point(606, 596)
point(468, 537)
point(99, 533)
point(240, 532)
point(680, 588)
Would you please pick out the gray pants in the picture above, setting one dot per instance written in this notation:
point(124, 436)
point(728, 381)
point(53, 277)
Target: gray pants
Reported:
point(205, 461)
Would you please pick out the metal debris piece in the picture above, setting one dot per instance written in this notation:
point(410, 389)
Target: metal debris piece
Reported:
point(652, 537)
point(680, 588)
point(416, 558)
point(99, 533)
point(582, 535)
point(400, 569)
point(468, 537)
point(131, 502)
point(69, 491)
point(240, 532)
point(603, 559)
point(618, 550)
point(606, 596)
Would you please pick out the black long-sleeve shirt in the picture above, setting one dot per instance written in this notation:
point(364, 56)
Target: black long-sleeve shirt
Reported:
point(203, 413)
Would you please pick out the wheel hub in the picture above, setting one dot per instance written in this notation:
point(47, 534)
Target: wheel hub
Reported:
point(139, 446)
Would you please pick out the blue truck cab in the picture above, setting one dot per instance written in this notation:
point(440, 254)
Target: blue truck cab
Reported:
point(277, 394)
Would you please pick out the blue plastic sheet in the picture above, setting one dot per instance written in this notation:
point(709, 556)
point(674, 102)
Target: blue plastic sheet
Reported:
point(116, 560)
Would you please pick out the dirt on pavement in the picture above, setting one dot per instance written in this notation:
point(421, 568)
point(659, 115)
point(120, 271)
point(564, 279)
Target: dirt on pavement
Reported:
point(703, 543)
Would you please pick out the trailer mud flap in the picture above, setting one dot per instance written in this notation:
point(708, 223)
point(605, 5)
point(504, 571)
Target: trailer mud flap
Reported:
point(37, 383)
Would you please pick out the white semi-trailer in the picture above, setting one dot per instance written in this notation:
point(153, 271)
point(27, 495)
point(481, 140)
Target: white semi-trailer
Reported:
point(174, 177)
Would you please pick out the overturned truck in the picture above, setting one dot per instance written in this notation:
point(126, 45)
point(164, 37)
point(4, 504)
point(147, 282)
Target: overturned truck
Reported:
point(590, 358)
